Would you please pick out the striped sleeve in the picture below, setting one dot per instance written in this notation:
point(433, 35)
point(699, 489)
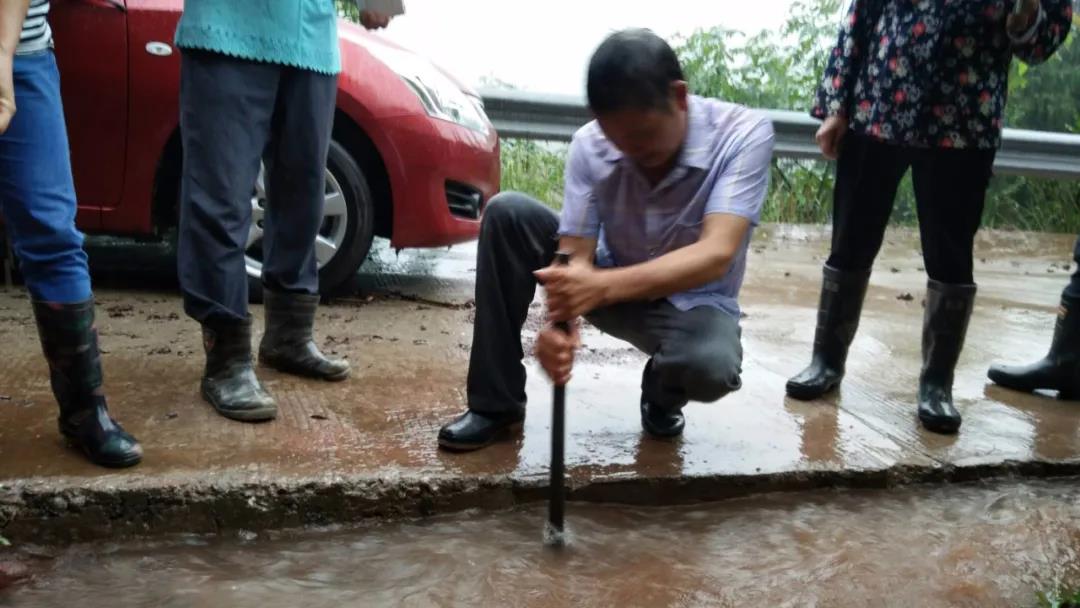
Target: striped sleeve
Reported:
point(35, 35)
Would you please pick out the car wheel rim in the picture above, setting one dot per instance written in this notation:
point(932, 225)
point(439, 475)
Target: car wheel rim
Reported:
point(331, 237)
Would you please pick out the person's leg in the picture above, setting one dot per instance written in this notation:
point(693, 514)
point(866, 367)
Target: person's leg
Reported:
point(1059, 370)
point(867, 176)
point(696, 355)
point(37, 201)
point(295, 162)
point(225, 109)
point(1072, 290)
point(517, 237)
point(950, 189)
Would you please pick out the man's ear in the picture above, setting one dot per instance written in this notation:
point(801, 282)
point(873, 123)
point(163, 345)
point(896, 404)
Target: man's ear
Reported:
point(680, 95)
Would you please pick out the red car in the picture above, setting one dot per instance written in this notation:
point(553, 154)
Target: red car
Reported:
point(413, 158)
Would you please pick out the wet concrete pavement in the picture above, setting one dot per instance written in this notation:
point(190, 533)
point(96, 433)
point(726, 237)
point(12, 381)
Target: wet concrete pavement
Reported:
point(366, 447)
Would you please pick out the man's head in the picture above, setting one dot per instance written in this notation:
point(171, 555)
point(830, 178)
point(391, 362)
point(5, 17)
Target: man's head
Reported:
point(638, 94)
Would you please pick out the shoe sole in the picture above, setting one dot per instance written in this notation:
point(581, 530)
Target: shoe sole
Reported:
point(510, 432)
point(254, 415)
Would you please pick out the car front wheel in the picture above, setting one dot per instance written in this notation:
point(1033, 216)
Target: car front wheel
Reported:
point(345, 234)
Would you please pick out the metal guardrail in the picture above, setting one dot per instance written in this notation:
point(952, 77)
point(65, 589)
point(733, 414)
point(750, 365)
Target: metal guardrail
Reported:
point(523, 115)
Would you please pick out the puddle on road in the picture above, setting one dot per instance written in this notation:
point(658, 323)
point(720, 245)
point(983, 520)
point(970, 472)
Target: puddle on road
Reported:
point(967, 545)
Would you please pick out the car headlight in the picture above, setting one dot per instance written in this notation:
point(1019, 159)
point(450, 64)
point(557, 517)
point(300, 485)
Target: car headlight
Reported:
point(440, 96)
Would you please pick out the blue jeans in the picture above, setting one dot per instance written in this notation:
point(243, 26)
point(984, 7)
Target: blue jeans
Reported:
point(37, 192)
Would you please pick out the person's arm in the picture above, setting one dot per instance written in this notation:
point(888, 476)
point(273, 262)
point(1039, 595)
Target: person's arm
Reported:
point(692, 266)
point(733, 206)
point(835, 95)
point(12, 15)
point(1037, 28)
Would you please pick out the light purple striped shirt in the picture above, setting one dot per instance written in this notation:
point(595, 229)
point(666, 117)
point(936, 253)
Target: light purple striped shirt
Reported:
point(723, 168)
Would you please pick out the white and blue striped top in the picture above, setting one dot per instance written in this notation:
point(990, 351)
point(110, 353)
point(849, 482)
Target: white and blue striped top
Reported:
point(36, 35)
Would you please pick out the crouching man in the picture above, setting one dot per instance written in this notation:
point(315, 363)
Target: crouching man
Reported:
point(663, 190)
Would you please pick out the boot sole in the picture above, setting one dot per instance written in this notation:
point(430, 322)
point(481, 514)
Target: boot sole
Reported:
point(508, 433)
point(253, 415)
point(303, 373)
point(1062, 394)
point(124, 463)
point(116, 464)
point(651, 431)
point(941, 427)
point(805, 393)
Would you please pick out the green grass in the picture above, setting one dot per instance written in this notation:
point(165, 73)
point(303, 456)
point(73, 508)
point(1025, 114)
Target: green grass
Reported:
point(1060, 599)
point(535, 169)
point(800, 192)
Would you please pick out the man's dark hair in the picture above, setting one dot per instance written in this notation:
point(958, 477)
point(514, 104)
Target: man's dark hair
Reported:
point(632, 70)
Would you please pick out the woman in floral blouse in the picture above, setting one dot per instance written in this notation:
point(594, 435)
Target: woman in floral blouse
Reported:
point(917, 84)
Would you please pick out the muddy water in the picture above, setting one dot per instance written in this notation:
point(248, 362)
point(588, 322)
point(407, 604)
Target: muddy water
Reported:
point(969, 545)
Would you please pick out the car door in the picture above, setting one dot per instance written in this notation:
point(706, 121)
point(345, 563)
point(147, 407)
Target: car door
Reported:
point(91, 50)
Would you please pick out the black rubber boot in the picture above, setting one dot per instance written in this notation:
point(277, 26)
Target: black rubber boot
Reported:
point(658, 421)
point(229, 382)
point(473, 430)
point(841, 303)
point(287, 344)
point(945, 322)
point(1059, 370)
point(69, 341)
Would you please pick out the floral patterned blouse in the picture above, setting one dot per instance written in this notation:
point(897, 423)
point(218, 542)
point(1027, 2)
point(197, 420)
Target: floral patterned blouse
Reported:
point(932, 73)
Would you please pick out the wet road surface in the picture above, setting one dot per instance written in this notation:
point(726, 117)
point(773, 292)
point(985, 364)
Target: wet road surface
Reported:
point(407, 334)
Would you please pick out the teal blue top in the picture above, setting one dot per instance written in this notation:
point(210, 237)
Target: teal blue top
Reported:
point(298, 33)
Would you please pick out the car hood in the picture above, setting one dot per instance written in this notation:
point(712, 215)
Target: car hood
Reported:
point(353, 34)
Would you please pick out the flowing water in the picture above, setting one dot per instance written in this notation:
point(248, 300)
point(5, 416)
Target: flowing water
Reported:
point(991, 544)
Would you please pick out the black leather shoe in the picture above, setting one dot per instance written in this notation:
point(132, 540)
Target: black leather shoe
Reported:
point(70, 343)
point(287, 344)
point(229, 382)
point(473, 430)
point(661, 422)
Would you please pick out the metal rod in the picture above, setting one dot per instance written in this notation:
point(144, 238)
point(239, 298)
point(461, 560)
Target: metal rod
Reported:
point(557, 497)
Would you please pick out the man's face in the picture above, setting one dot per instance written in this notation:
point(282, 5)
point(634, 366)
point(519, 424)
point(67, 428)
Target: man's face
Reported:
point(650, 138)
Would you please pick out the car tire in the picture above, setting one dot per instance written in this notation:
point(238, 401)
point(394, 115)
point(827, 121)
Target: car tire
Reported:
point(352, 240)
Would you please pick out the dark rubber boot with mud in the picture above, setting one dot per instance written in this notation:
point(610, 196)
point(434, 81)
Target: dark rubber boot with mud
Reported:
point(288, 346)
point(229, 382)
point(70, 343)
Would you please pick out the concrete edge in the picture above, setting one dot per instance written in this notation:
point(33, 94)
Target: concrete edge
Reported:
point(34, 511)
